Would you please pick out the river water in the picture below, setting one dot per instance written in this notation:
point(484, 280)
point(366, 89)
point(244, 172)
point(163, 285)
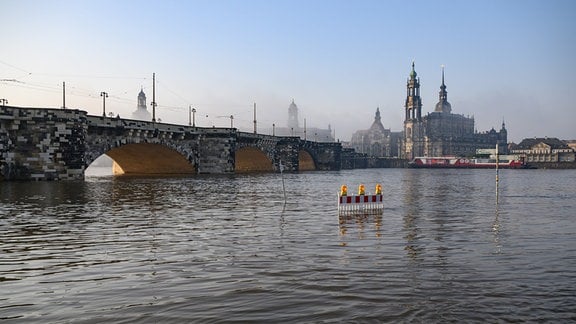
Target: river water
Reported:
point(220, 249)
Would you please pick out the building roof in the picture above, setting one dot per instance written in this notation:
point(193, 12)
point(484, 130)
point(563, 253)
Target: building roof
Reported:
point(443, 106)
point(553, 142)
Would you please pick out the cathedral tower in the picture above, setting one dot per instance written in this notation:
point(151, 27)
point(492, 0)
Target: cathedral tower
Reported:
point(413, 129)
point(413, 102)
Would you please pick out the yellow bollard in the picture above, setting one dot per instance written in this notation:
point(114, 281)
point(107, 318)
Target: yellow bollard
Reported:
point(361, 189)
point(343, 190)
point(378, 189)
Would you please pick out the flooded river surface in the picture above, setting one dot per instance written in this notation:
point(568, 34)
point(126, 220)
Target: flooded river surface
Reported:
point(224, 249)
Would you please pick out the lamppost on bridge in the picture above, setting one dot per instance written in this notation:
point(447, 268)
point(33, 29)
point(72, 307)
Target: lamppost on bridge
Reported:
point(104, 95)
point(63, 95)
point(193, 117)
point(273, 129)
point(3, 102)
point(255, 118)
point(153, 103)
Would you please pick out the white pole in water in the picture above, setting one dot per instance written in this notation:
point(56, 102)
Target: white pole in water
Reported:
point(497, 157)
point(282, 174)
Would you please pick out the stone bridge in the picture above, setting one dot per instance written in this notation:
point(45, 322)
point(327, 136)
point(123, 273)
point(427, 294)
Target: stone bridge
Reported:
point(59, 144)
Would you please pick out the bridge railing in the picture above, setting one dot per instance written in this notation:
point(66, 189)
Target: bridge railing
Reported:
point(100, 121)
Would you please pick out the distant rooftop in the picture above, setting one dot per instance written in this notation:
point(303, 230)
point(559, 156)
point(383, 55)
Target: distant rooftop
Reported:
point(553, 142)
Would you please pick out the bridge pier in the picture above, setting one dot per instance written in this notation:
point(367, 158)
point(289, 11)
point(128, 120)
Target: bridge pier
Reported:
point(287, 151)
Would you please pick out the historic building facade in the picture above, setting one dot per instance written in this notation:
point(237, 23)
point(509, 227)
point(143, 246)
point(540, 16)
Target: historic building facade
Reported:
point(548, 149)
point(441, 132)
point(376, 140)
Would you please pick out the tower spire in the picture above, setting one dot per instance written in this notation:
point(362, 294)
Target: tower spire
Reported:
point(413, 73)
point(443, 105)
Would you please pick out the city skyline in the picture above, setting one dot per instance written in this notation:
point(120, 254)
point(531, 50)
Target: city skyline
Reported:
point(338, 60)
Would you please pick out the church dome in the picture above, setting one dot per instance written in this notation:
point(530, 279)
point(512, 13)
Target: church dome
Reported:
point(443, 106)
point(413, 72)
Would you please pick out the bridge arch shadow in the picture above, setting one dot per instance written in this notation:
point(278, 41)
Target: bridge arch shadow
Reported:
point(305, 161)
point(251, 159)
point(148, 159)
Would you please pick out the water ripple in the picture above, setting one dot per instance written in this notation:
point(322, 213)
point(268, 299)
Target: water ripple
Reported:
point(228, 249)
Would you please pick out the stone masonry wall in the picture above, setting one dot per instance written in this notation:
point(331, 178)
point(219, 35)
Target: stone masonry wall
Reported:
point(287, 154)
point(41, 144)
point(215, 153)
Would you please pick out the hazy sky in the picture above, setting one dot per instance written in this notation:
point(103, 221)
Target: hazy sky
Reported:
point(339, 60)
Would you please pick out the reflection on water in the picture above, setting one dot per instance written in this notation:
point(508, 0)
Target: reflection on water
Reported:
point(228, 248)
point(358, 221)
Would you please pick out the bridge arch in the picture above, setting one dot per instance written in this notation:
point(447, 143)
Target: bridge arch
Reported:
point(305, 161)
point(251, 159)
point(148, 158)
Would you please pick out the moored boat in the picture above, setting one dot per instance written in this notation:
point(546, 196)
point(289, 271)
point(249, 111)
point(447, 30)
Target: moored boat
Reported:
point(505, 162)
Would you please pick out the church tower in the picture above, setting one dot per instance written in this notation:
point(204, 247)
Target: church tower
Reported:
point(413, 102)
point(141, 112)
point(293, 118)
point(413, 129)
point(141, 99)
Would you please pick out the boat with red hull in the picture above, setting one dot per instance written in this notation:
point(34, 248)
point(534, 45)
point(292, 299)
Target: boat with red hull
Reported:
point(507, 162)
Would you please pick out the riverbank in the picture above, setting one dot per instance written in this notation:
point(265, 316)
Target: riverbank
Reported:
point(553, 165)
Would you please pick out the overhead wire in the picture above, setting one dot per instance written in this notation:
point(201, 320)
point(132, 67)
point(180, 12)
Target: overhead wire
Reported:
point(118, 97)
